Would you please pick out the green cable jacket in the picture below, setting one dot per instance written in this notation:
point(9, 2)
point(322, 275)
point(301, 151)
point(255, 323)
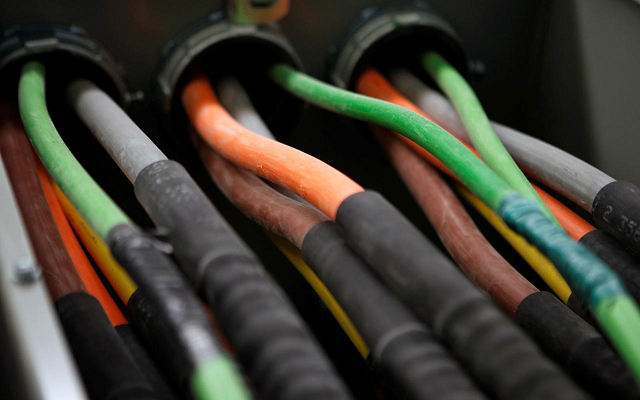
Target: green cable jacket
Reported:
point(89, 198)
point(484, 138)
point(589, 277)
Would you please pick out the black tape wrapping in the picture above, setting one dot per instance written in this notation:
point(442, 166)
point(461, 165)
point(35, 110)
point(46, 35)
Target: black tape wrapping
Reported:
point(107, 369)
point(578, 306)
point(616, 209)
point(622, 261)
point(145, 363)
point(502, 358)
point(164, 309)
point(280, 355)
point(577, 346)
point(410, 363)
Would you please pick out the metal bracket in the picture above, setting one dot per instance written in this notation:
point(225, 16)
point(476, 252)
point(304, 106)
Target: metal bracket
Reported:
point(43, 367)
point(257, 12)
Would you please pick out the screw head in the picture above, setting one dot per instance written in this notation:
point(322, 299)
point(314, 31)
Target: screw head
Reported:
point(26, 271)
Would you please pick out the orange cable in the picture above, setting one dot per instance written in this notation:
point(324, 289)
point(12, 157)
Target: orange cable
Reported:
point(313, 180)
point(82, 264)
point(575, 226)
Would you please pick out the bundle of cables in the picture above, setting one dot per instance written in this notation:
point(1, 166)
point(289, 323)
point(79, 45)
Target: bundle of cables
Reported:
point(574, 343)
point(567, 338)
point(396, 344)
point(280, 355)
point(589, 277)
point(562, 172)
point(425, 330)
point(624, 263)
point(410, 265)
point(83, 319)
point(163, 308)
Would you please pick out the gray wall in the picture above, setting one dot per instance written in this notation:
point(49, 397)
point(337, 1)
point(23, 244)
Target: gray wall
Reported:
point(609, 34)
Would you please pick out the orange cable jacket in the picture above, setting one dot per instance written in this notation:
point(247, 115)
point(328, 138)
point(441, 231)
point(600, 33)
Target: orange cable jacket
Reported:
point(313, 180)
point(373, 83)
point(285, 217)
point(91, 281)
point(575, 226)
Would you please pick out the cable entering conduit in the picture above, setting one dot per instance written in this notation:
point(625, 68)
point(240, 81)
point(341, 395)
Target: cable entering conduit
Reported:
point(409, 264)
point(198, 363)
point(261, 324)
point(587, 275)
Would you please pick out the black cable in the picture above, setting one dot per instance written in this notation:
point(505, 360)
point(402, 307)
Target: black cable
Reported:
point(280, 354)
point(145, 363)
point(107, 370)
point(503, 359)
point(625, 263)
point(577, 346)
point(616, 208)
point(408, 360)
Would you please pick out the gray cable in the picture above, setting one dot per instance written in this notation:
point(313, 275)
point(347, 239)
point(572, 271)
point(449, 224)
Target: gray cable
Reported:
point(236, 100)
point(129, 147)
point(557, 169)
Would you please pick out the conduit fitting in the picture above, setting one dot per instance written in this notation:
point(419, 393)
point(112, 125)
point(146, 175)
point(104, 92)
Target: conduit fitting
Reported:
point(220, 47)
point(394, 35)
point(68, 52)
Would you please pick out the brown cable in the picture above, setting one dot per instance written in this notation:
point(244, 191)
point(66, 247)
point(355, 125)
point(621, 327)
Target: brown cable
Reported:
point(59, 273)
point(459, 234)
point(277, 213)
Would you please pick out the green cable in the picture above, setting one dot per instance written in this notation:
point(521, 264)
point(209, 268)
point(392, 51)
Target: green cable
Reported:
point(215, 379)
point(464, 164)
point(484, 138)
point(615, 310)
point(227, 383)
point(589, 277)
point(89, 198)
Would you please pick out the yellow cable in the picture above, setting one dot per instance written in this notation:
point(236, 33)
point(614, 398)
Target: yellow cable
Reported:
point(294, 256)
point(125, 287)
point(112, 270)
point(541, 264)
